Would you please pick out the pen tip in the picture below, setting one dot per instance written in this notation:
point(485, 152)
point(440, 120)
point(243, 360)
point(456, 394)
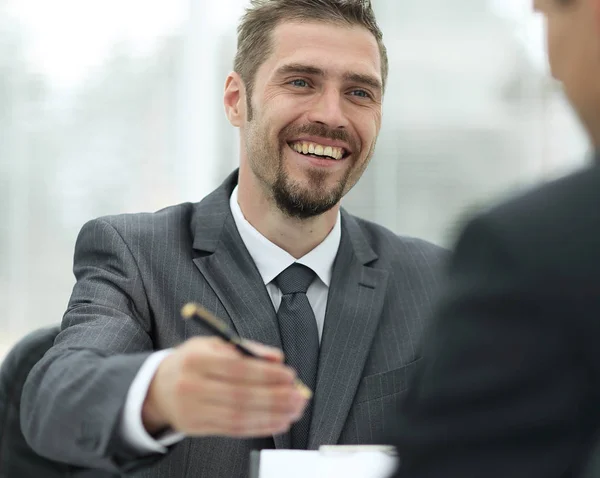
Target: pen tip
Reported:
point(188, 310)
point(303, 389)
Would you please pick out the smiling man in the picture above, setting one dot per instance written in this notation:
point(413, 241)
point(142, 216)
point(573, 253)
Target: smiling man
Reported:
point(271, 252)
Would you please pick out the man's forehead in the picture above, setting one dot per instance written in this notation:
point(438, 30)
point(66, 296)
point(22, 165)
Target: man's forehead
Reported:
point(312, 44)
point(292, 35)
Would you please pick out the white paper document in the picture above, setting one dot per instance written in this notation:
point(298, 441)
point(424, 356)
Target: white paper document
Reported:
point(303, 464)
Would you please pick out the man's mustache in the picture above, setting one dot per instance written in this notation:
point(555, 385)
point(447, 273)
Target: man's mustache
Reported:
point(322, 131)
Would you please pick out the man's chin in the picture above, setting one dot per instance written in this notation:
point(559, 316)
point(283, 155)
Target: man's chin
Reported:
point(305, 193)
point(303, 204)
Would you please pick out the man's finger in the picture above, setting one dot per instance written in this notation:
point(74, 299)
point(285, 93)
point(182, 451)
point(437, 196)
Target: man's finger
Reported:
point(227, 421)
point(276, 399)
point(248, 370)
point(269, 353)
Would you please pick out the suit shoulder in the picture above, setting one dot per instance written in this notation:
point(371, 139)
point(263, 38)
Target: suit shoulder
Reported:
point(570, 200)
point(141, 223)
point(390, 246)
point(551, 229)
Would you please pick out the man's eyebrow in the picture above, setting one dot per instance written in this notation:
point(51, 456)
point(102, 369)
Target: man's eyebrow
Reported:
point(368, 80)
point(301, 69)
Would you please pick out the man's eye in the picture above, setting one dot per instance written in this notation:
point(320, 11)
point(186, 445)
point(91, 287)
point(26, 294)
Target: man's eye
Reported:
point(361, 93)
point(299, 83)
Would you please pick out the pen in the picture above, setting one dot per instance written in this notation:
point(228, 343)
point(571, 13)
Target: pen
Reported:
point(217, 326)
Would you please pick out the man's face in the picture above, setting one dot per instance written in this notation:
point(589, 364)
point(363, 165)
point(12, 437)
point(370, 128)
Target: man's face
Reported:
point(316, 114)
point(573, 40)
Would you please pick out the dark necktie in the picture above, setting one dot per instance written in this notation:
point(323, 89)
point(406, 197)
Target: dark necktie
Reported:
point(299, 336)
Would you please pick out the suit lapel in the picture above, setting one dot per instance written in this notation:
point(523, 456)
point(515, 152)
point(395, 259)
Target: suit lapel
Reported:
point(354, 305)
point(237, 283)
point(231, 273)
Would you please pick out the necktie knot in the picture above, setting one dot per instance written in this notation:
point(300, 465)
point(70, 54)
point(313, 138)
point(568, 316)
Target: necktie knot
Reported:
point(295, 279)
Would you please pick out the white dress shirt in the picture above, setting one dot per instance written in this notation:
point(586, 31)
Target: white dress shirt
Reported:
point(270, 261)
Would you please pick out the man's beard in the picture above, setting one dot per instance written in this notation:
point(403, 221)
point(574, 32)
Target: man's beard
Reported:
point(301, 202)
point(291, 197)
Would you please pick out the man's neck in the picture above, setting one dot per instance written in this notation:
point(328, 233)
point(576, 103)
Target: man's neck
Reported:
point(296, 236)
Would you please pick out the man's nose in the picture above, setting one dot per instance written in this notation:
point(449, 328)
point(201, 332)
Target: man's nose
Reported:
point(328, 110)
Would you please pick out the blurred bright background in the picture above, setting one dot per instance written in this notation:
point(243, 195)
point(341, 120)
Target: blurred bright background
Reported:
point(115, 106)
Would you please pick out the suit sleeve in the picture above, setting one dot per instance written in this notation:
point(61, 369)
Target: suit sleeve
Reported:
point(498, 392)
point(73, 398)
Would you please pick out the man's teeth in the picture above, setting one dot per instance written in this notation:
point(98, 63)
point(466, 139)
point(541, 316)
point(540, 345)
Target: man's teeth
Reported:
point(318, 150)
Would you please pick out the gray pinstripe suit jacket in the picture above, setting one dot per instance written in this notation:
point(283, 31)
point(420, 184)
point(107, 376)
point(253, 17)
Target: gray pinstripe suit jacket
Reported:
point(134, 272)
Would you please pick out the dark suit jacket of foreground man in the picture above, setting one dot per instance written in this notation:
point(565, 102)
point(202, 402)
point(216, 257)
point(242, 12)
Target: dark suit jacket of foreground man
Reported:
point(509, 382)
point(135, 272)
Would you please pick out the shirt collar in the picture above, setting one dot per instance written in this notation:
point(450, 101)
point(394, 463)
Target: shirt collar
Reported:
point(271, 259)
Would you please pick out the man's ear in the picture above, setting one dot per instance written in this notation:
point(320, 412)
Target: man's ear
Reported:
point(234, 99)
point(592, 10)
point(596, 11)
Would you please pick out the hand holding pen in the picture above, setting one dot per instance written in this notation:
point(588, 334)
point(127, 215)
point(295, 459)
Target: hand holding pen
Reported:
point(215, 325)
point(211, 386)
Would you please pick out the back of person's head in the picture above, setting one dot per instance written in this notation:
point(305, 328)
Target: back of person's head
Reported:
point(256, 26)
point(573, 38)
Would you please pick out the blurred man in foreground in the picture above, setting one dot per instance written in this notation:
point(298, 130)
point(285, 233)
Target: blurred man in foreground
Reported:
point(509, 382)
